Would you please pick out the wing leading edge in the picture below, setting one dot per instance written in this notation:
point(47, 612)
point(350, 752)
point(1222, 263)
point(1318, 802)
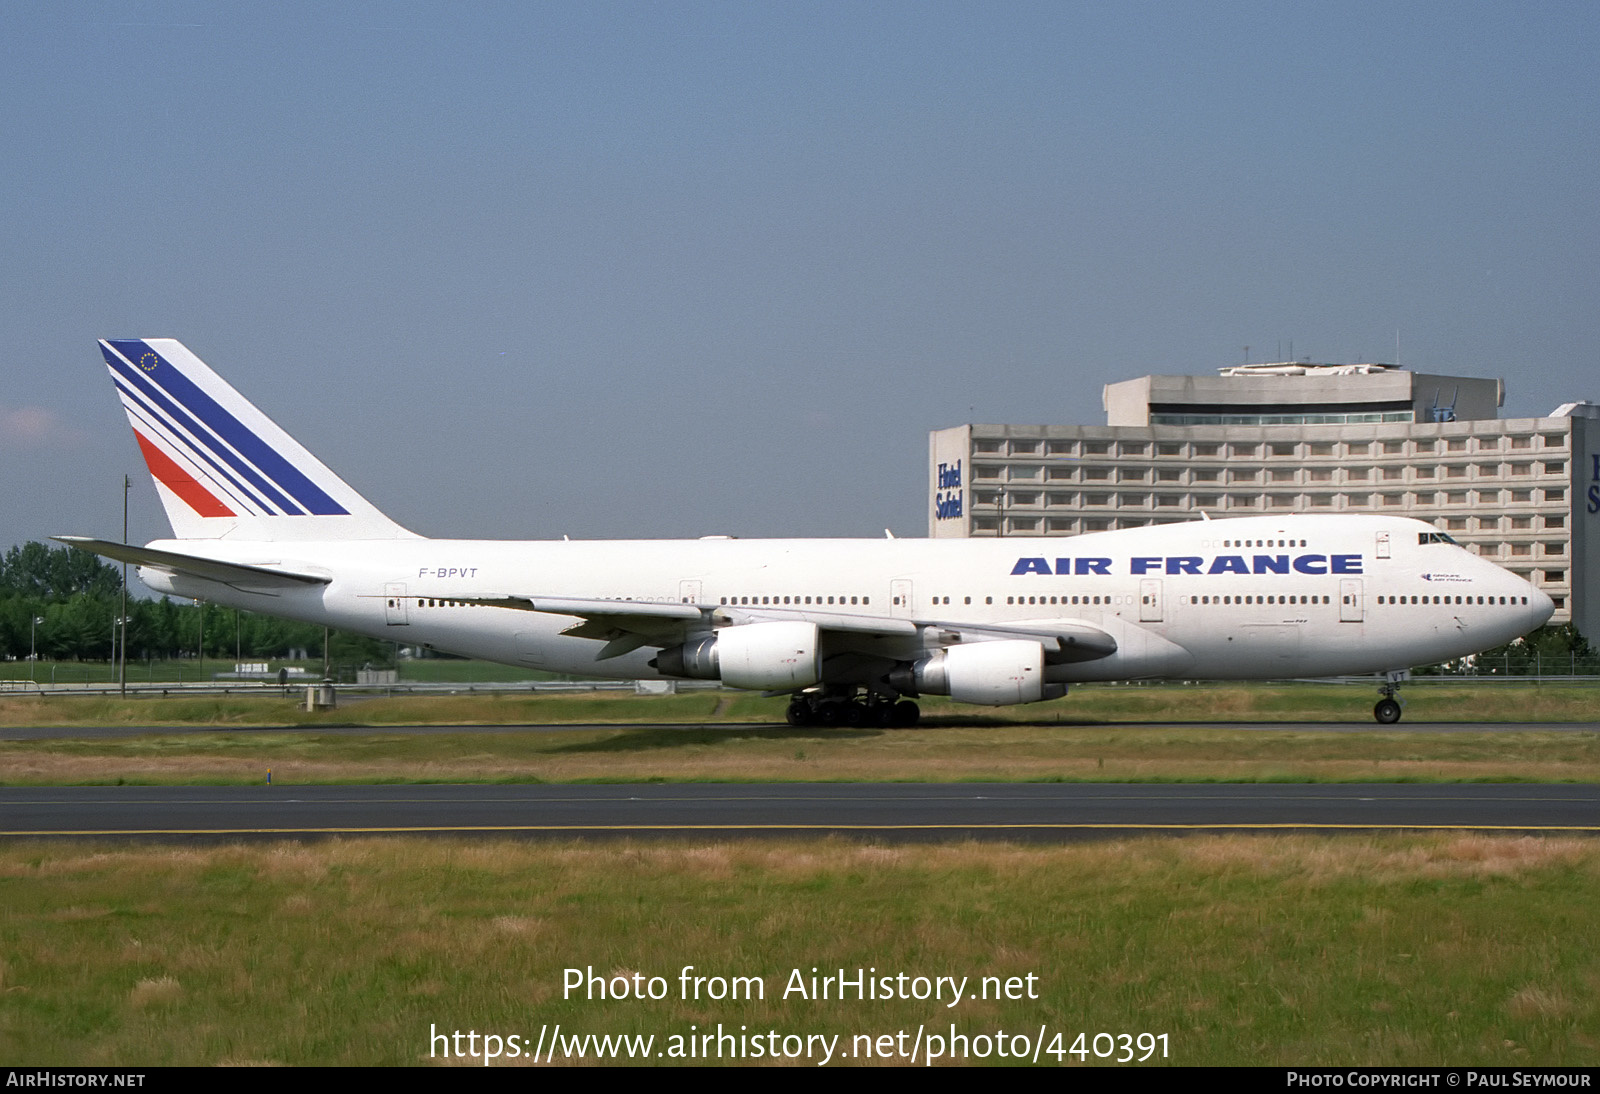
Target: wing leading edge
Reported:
point(627, 625)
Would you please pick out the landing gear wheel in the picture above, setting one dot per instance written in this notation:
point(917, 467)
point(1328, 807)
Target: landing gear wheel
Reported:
point(1387, 711)
point(827, 715)
point(906, 713)
point(798, 714)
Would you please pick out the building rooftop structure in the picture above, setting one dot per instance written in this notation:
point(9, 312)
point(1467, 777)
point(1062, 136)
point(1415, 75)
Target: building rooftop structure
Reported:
point(1296, 437)
point(1301, 393)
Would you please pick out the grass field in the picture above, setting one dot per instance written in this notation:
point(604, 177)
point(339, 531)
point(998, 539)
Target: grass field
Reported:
point(1403, 950)
point(1103, 734)
point(1394, 950)
point(1006, 753)
point(1085, 705)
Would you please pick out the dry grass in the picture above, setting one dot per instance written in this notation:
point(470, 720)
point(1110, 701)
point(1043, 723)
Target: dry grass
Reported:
point(1001, 753)
point(1092, 704)
point(1370, 950)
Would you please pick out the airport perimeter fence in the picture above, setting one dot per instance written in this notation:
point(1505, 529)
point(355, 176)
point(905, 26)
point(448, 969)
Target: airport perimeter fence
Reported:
point(296, 690)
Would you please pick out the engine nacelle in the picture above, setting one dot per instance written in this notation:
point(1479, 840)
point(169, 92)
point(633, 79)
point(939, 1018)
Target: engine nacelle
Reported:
point(988, 673)
point(757, 656)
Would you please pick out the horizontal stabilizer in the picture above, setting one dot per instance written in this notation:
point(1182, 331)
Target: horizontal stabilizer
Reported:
point(229, 573)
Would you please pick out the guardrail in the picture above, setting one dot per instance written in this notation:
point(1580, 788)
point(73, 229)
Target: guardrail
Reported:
point(297, 689)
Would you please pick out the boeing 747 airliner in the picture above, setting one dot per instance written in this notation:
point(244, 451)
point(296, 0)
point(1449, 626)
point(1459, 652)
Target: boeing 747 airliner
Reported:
point(853, 630)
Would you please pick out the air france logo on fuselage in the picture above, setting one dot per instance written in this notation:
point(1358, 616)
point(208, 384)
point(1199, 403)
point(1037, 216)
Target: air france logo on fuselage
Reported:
point(1315, 565)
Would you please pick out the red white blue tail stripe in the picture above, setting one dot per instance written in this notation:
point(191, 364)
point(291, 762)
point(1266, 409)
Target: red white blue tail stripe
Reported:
point(183, 420)
point(221, 464)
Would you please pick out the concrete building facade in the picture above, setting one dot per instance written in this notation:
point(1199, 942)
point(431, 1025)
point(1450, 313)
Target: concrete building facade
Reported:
point(1293, 438)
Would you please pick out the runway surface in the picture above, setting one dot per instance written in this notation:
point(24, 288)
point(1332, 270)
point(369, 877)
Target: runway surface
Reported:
point(907, 812)
point(47, 733)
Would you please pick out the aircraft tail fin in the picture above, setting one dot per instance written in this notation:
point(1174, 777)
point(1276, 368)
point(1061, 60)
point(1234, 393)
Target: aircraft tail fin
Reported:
point(221, 466)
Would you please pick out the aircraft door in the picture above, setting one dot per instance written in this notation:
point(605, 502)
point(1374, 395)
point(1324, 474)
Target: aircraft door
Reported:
point(900, 598)
point(394, 604)
point(1383, 545)
point(689, 592)
point(1350, 600)
point(1150, 601)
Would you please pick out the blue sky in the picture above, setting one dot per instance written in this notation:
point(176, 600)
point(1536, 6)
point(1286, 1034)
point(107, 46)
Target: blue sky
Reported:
point(616, 270)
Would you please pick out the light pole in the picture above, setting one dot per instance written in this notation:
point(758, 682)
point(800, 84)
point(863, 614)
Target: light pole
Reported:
point(33, 647)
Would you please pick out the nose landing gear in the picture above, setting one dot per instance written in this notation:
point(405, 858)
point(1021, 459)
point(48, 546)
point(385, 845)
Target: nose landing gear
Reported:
point(1387, 710)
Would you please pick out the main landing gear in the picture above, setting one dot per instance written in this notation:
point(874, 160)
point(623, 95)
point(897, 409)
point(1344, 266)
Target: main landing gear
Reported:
point(1387, 712)
point(820, 710)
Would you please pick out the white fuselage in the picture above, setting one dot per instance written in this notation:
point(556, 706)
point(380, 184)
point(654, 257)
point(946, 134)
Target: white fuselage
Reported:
point(1257, 598)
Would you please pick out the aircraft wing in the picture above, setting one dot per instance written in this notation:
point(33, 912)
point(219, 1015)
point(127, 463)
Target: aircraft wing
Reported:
point(1064, 640)
point(626, 625)
point(259, 576)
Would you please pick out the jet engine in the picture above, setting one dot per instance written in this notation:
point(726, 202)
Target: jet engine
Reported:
point(989, 673)
point(757, 656)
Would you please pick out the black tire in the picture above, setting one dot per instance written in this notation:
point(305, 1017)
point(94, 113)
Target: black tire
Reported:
point(906, 713)
point(798, 714)
point(1387, 712)
point(827, 715)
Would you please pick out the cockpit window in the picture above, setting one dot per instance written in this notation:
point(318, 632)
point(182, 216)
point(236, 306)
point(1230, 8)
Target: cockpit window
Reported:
point(1434, 537)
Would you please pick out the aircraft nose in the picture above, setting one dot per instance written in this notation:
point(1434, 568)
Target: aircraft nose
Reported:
point(1540, 606)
